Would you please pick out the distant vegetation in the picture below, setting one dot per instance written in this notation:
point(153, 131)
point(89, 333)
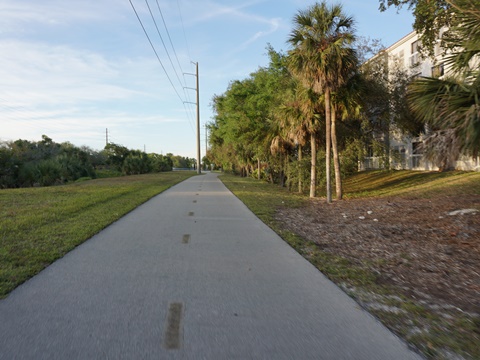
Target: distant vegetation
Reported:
point(26, 163)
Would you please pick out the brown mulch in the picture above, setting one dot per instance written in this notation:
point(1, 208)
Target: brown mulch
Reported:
point(413, 244)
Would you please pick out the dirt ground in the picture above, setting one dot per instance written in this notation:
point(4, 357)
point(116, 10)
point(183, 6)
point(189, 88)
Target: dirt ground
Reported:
point(414, 244)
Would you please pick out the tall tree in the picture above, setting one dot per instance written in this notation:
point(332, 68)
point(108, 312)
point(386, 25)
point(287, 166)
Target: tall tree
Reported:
point(322, 58)
point(347, 105)
point(244, 124)
point(301, 118)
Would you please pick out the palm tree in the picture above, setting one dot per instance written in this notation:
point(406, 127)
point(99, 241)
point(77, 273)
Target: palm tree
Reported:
point(346, 105)
point(322, 59)
point(300, 118)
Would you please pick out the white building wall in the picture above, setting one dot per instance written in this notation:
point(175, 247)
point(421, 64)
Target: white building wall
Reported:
point(405, 52)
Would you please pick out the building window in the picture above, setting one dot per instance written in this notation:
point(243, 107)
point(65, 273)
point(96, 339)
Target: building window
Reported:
point(399, 157)
point(417, 155)
point(414, 60)
point(417, 148)
point(415, 57)
point(414, 47)
point(437, 70)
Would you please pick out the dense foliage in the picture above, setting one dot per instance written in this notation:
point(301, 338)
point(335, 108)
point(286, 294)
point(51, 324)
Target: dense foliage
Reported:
point(26, 163)
point(272, 124)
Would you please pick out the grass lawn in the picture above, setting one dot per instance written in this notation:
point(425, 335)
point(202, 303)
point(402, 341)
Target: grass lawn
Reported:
point(264, 198)
point(459, 334)
point(411, 183)
point(40, 225)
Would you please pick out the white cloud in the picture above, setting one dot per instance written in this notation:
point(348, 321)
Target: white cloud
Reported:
point(21, 16)
point(74, 94)
point(37, 73)
point(77, 125)
point(210, 11)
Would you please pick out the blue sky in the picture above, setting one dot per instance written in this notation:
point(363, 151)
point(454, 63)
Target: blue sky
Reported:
point(71, 69)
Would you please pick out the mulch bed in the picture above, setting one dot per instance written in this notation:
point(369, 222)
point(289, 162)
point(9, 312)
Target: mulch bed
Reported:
point(413, 244)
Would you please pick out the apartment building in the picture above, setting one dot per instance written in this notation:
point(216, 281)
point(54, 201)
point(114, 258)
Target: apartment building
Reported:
point(404, 150)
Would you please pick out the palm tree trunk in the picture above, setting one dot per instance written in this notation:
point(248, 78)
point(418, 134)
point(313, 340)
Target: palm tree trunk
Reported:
point(388, 162)
point(300, 172)
point(258, 167)
point(313, 175)
point(336, 159)
point(282, 171)
point(328, 144)
point(287, 172)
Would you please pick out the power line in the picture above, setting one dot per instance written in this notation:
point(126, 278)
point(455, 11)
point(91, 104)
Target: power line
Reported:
point(27, 117)
point(169, 37)
point(155, 51)
point(186, 43)
point(166, 50)
point(183, 28)
point(20, 109)
point(161, 38)
point(39, 122)
point(184, 85)
point(158, 57)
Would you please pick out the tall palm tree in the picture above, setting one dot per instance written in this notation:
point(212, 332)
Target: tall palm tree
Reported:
point(322, 58)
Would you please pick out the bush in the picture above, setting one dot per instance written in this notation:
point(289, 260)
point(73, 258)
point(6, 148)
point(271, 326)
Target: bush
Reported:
point(136, 164)
point(49, 173)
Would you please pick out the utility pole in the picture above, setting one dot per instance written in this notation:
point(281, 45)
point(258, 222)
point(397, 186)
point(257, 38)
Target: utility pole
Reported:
point(206, 139)
point(106, 136)
point(199, 170)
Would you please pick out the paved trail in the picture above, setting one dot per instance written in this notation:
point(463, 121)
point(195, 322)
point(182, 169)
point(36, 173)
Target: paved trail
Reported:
point(191, 274)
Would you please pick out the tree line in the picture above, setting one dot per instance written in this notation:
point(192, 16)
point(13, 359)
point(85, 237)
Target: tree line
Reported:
point(26, 163)
point(322, 106)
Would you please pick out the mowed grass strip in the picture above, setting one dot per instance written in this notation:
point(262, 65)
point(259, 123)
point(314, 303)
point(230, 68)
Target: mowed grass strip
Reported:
point(40, 225)
point(411, 184)
point(264, 198)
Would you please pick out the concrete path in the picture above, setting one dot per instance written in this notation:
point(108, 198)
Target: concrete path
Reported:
point(191, 274)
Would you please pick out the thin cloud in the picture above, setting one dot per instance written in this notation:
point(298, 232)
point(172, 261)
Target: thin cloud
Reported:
point(69, 94)
point(61, 75)
point(19, 16)
point(210, 10)
point(274, 26)
point(76, 125)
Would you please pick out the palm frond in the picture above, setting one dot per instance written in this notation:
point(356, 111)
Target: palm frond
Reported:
point(464, 36)
point(449, 104)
